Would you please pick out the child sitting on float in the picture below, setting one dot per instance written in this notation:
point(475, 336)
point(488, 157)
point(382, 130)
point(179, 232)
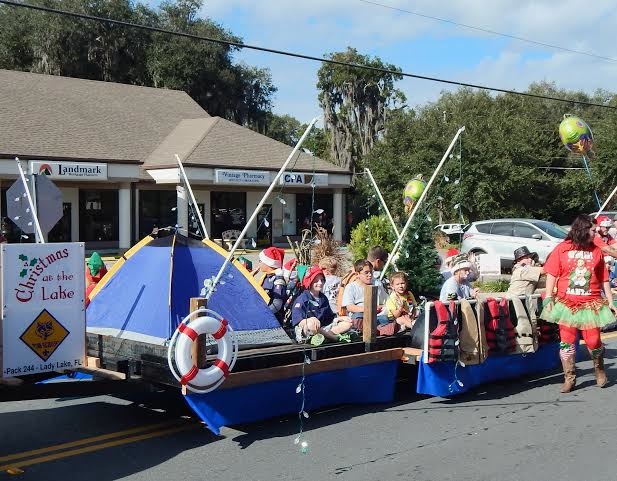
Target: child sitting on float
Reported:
point(311, 313)
point(333, 282)
point(273, 281)
point(401, 304)
point(353, 295)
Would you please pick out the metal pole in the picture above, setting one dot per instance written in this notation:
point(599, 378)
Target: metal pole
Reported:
point(258, 208)
point(399, 241)
point(37, 226)
point(195, 206)
point(606, 202)
point(383, 202)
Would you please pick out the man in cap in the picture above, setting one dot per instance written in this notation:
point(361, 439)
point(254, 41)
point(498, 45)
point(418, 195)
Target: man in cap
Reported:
point(451, 254)
point(602, 238)
point(525, 272)
point(457, 286)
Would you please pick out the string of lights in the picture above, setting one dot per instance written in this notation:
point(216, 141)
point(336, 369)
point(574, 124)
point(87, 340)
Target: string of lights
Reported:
point(330, 61)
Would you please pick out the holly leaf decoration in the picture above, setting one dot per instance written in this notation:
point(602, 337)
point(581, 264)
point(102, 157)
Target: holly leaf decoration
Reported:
point(23, 257)
point(33, 261)
point(23, 273)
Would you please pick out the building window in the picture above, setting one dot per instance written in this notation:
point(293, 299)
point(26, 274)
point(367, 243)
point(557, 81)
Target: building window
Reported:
point(61, 232)
point(156, 209)
point(318, 210)
point(264, 226)
point(194, 224)
point(9, 230)
point(228, 212)
point(98, 216)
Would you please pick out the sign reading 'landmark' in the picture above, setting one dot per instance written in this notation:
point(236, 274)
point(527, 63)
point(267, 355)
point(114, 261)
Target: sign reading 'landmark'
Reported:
point(69, 170)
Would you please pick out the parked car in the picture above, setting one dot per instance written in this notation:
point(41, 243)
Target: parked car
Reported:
point(500, 237)
point(450, 229)
point(608, 213)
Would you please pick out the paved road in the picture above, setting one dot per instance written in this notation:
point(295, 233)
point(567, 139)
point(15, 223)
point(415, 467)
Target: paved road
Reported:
point(523, 430)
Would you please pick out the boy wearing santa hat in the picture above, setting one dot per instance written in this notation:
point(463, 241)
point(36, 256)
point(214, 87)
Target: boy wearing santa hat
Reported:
point(271, 264)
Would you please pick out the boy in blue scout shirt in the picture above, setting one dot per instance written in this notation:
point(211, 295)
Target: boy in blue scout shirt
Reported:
point(271, 263)
point(311, 312)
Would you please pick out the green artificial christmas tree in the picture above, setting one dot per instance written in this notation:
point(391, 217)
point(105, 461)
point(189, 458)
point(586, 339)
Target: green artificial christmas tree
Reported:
point(418, 256)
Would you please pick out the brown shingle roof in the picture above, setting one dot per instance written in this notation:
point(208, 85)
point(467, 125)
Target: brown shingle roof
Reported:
point(216, 142)
point(59, 117)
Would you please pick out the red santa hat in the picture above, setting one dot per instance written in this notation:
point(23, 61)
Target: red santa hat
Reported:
point(604, 221)
point(289, 267)
point(451, 254)
point(272, 257)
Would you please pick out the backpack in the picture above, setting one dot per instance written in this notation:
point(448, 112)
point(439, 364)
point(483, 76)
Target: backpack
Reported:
point(345, 280)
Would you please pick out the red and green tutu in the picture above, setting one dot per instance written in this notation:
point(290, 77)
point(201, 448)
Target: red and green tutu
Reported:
point(589, 314)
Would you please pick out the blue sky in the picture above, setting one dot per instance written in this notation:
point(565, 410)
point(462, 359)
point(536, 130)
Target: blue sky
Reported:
point(427, 47)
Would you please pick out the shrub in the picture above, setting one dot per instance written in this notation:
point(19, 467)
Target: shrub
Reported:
point(498, 285)
point(374, 231)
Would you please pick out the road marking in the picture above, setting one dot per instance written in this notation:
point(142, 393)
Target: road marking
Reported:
point(97, 447)
point(81, 442)
point(610, 335)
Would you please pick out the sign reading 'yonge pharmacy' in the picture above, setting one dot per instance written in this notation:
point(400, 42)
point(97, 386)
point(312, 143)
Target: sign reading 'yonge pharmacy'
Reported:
point(253, 177)
point(69, 170)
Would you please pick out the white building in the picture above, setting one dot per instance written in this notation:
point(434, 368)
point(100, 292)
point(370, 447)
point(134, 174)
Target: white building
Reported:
point(110, 149)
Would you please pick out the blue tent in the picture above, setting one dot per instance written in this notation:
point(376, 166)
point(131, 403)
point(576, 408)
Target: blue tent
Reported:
point(146, 294)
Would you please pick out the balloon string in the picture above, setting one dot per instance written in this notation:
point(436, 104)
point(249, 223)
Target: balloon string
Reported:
point(595, 192)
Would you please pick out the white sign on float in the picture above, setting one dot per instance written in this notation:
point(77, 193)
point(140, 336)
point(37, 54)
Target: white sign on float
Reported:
point(43, 313)
point(488, 265)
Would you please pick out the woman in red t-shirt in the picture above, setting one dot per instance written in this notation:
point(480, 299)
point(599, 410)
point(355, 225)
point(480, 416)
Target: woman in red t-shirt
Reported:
point(577, 267)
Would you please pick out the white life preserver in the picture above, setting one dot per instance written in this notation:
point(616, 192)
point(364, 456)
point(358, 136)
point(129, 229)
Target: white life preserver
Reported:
point(180, 347)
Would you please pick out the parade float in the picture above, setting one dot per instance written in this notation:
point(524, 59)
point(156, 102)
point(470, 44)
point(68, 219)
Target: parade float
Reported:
point(184, 314)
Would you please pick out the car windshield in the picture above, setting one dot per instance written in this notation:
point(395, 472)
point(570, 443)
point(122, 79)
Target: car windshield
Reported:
point(550, 228)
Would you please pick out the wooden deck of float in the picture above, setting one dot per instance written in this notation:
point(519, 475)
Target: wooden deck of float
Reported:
point(149, 362)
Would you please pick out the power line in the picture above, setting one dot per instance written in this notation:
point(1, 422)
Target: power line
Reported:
point(296, 55)
point(561, 168)
point(492, 32)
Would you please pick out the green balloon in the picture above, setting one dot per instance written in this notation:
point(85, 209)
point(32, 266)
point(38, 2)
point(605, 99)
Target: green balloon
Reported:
point(413, 190)
point(572, 129)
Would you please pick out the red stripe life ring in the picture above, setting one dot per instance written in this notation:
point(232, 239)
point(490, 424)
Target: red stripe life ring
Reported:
point(180, 347)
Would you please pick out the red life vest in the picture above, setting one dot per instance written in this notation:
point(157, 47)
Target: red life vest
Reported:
point(500, 333)
point(443, 341)
point(549, 332)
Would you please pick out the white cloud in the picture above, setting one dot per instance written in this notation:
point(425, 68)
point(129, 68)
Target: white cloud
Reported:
point(319, 26)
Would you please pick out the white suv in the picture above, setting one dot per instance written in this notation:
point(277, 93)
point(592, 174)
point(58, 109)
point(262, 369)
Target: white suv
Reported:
point(450, 229)
point(500, 237)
